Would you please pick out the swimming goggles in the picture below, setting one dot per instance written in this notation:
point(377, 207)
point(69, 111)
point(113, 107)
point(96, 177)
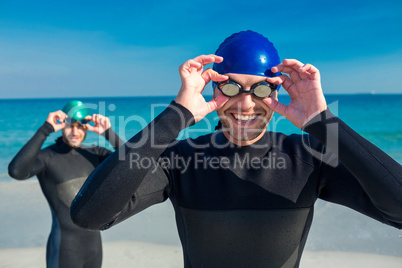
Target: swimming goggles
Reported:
point(261, 90)
point(70, 120)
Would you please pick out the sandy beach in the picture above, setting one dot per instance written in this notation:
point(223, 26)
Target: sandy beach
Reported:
point(150, 238)
point(140, 254)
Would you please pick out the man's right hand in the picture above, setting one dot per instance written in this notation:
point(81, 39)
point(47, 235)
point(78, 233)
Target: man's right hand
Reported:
point(193, 82)
point(56, 119)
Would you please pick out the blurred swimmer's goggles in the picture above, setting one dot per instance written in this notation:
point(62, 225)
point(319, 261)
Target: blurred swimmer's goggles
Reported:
point(70, 120)
point(261, 90)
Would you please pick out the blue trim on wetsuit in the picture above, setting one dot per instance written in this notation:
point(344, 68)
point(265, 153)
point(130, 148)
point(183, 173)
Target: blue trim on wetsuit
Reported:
point(53, 242)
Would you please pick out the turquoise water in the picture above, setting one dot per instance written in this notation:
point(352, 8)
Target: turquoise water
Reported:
point(377, 117)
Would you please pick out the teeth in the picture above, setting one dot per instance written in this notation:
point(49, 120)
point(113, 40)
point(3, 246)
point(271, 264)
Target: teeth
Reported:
point(244, 117)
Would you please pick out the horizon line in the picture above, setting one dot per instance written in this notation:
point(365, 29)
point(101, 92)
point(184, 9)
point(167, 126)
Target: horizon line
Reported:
point(173, 96)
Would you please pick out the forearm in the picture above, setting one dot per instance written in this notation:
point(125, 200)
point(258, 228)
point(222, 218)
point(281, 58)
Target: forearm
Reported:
point(112, 187)
point(113, 138)
point(23, 163)
point(379, 175)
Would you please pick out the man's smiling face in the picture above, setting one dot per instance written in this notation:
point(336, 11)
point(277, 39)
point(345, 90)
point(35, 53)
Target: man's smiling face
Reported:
point(245, 117)
point(74, 134)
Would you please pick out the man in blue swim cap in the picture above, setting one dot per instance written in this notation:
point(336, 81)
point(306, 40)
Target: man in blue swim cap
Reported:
point(61, 170)
point(243, 196)
point(247, 75)
point(247, 53)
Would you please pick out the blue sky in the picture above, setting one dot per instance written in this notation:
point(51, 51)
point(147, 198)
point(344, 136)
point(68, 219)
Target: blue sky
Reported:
point(134, 48)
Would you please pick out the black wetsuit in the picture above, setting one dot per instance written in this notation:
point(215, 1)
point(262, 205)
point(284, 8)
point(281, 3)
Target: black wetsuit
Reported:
point(248, 206)
point(61, 171)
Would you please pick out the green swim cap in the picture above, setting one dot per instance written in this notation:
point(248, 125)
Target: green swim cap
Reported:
point(76, 110)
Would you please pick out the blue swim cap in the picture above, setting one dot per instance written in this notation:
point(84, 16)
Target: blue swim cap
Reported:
point(247, 52)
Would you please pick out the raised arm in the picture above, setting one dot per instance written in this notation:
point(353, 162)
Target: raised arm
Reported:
point(121, 186)
point(103, 127)
point(377, 173)
point(26, 163)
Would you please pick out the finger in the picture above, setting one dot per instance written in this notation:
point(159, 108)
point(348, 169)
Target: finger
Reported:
point(192, 63)
point(210, 74)
point(283, 80)
point(95, 118)
point(292, 63)
point(198, 63)
point(58, 119)
point(216, 103)
point(309, 70)
point(90, 128)
point(59, 115)
point(63, 116)
point(294, 73)
point(188, 65)
point(282, 68)
point(207, 59)
point(104, 121)
point(285, 69)
point(107, 122)
point(276, 106)
point(297, 70)
point(88, 117)
point(287, 66)
point(296, 76)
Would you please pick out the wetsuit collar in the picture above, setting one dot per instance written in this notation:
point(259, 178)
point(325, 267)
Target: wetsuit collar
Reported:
point(63, 147)
point(227, 148)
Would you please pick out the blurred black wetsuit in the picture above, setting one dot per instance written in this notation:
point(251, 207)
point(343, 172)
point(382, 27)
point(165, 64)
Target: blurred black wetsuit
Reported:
point(61, 171)
point(248, 206)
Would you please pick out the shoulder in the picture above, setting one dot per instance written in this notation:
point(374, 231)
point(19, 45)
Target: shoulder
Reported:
point(51, 149)
point(96, 150)
point(293, 141)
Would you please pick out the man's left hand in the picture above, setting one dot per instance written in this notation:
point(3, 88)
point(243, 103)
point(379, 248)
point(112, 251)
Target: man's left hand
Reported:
point(102, 123)
point(304, 87)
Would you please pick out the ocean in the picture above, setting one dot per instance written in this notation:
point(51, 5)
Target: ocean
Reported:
point(378, 118)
